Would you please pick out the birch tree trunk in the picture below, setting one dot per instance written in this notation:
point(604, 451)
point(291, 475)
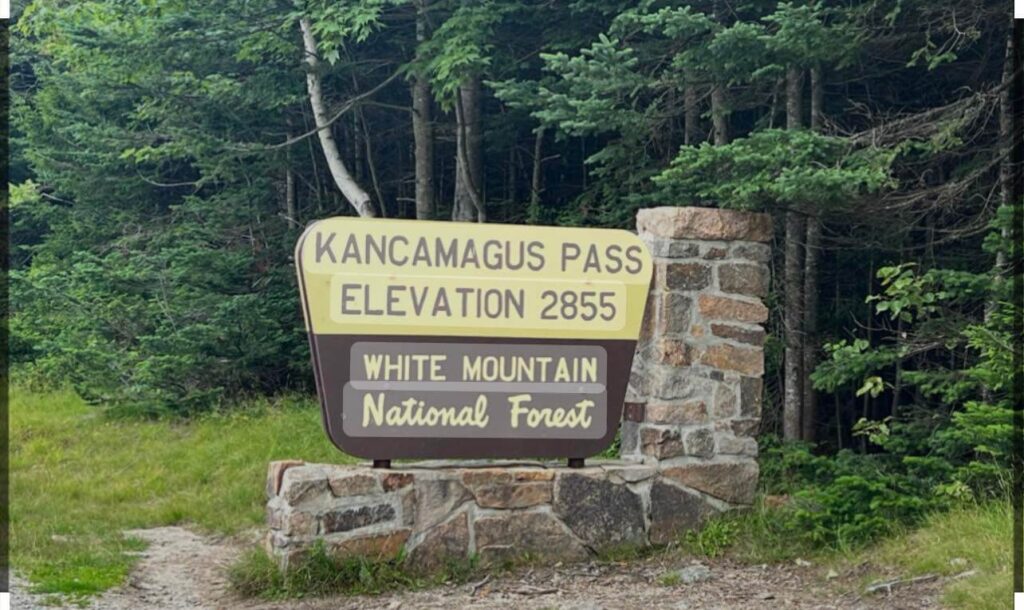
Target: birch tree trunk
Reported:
point(792, 407)
point(350, 189)
point(423, 129)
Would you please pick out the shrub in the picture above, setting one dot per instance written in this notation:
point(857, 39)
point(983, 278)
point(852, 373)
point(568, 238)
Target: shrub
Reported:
point(849, 499)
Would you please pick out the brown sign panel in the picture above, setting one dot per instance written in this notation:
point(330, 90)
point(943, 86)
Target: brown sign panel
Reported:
point(444, 340)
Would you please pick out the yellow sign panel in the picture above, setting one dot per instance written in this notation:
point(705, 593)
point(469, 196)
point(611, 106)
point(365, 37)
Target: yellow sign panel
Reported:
point(404, 277)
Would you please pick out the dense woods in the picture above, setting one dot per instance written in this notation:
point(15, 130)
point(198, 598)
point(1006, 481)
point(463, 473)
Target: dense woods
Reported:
point(166, 155)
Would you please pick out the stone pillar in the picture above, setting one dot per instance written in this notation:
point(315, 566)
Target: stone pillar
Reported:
point(694, 399)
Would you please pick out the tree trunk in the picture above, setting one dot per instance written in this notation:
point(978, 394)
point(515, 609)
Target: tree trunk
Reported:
point(423, 129)
point(290, 188)
point(536, 182)
point(897, 386)
point(1006, 165)
point(719, 109)
point(1005, 181)
point(865, 409)
point(350, 189)
point(792, 408)
point(817, 99)
point(691, 114)
point(812, 255)
point(792, 323)
point(469, 154)
point(371, 164)
point(423, 134)
point(511, 193)
point(835, 395)
point(289, 197)
point(1006, 143)
point(719, 115)
point(358, 159)
point(794, 105)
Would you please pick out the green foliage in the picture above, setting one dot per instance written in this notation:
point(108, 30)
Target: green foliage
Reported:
point(854, 510)
point(910, 296)
point(776, 167)
point(613, 450)
point(978, 438)
point(937, 308)
point(461, 47)
point(156, 278)
point(712, 539)
point(334, 24)
point(626, 85)
point(876, 431)
point(849, 499)
point(809, 34)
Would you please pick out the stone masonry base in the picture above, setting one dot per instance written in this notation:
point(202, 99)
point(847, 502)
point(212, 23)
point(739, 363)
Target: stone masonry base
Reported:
point(444, 512)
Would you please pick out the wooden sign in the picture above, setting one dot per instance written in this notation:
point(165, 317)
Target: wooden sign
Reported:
point(456, 340)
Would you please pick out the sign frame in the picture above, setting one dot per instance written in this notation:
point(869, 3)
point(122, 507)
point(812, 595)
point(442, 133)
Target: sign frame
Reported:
point(331, 354)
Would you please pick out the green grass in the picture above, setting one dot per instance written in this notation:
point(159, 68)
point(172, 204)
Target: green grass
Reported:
point(972, 537)
point(78, 479)
point(318, 575)
point(711, 540)
point(759, 534)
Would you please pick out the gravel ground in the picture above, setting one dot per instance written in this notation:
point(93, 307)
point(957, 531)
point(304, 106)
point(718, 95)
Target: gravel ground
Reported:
point(183, 570)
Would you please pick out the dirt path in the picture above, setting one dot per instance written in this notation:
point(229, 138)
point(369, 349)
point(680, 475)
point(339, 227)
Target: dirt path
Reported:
point(181, 569)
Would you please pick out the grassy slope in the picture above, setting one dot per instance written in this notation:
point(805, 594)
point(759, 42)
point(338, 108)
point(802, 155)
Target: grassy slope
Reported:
point(968, 538)
point(79, 479)
point(971, 541)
